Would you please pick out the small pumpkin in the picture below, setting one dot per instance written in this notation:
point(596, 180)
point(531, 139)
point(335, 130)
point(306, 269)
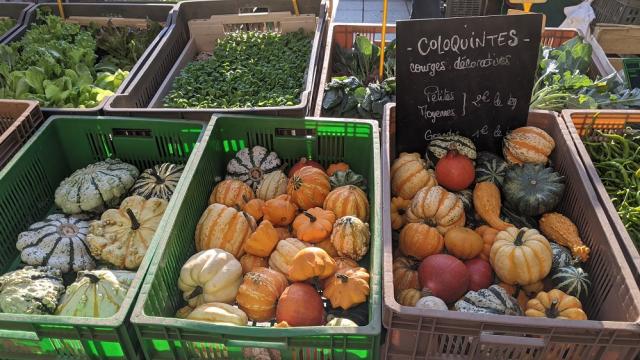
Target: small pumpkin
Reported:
point(311, 262)
point(348, 200)
point(521, 256)
point(219, 313)
point(259, 292)
point(561, 257)
point(408, 297)
point(488, 235)
point(223, 227)
point(232, 193)
point(572, 280)
point(31, 290)
point(341, 322)
point(438, 208)
point(253, 207)
point(351, 237)
point(532, 189)
point(262, 241)
point(431, 302)
point(299, 296)
point(345, 263)
point(441, 145)
point(251, 262)
point(280, 259)
point(333, 168)
point(419, 240)
point(463, 243)
point(490, 168)
point(308, 187)
point(405, 274)
point(284, 232)
point(455, 171)
point(122, 236)
point(273, 185)
point(399, 207)
point(302, 163)
point(493, 300)
point(212, 275)
point(555, 304)
point(409, 174)
point(528, 144)
point(487, 203)
point(348, 177)
point(159, 181)
point(251, 165)
point(314, 225)
point(562, 230)
point(347, 288)
point(280, 211)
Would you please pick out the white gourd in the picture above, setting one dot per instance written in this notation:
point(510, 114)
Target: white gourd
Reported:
point(431, 302)
point(31, 290)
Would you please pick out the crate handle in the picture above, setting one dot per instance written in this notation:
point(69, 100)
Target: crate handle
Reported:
point(299, 133)
point(512, 340)
point(131, 132)
point(18, 335)
point(259, 344)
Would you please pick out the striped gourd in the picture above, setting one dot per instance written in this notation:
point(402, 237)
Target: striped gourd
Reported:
point(348, 200)
point(351, 237)
point(572, 280)
point(493, 300)
point(96, 187)
point(225, 228)
point(59, 242)
point(490, 167)
point(561, 257)
point(528, 145)
point(273, 184)
point(158, 182)
point(251, 165)
point(441, 145)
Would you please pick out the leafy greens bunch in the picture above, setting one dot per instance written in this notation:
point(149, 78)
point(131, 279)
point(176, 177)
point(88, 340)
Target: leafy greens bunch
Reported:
point(123, 46)
point(6, 24)
point(247, 69)
point(563, 82)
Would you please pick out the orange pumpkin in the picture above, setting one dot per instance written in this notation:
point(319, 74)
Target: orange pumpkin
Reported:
point(223, 227)
point(284, 232)
point(420, 240)
point(251, 262)
point(232, 193)
point(345, 263)
point(263, 240)
point(409, 174)
point(405, 274)
point(280, 211)
point(337, 167)
point(327, 246)
point(314, 225)
point(296, 297)
point(310, 263)
point(348, 200)
point(347, 288)
point(463, 243)
point(259, 293)
point(253, 207)
point(488, 237)
point(399, 208)
point(308, 187)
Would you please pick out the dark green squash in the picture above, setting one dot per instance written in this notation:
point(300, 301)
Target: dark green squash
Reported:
point(532, 189)
point(490, 167)
point(561, 257)
point(572, 280)
point(342, 178)
point(518, 220)
point(493, 300)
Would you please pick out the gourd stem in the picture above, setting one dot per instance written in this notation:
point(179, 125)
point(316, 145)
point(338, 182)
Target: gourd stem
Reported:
point(245, 198)
point(135, 224)
point(344, 278)
point(401, 212)
point(426, 292)
point(518, 241)
point(311, 217)
point(552, 312)
point(196, 292)
point(94, 279)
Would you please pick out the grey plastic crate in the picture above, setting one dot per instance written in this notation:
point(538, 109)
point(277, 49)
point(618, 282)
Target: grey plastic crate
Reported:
point(16, 11)
point(155, 12)
point(157, 76)
point(460, 8)
point(617, 11)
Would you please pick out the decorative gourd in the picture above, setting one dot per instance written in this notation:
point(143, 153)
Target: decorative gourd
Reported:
point(438, 208)
point(348, 177)
point(560, 229)
point(251, 165)
point(455, 171)
point(341, 322)
point(440, 146)
point(311, 262)
point(493, 300)
point(532, 189)
point(347, 288)
point(411, 218)
point(521, 256)
point(466, 196)
point(97, 293)
point(273, 184)
point(555, 304)
point(488, 238)
point(96, 187)
point(284, 232)
point(212, 275)
point(409, 174)
point(302, 163)
point(518, 220)
point(219, 313)
point(31, 290)
point(443, 276)
point(223, 227)
point(232, 193)
point(490, 168)
point(572, 280)
point(280, 211)
point(308, 187)
point(259, 292)
point(419, 240)
point(431, 302)
point(58, 242)
point(327, 246)
point(262, 241)
point(408, 297)
point(280, 259)
point(480, 274)
point(122, 236)
point(333, 168)
point(251, 262)
point(486, 201)
point(399, 207)
point(253, 207)
point(351, 237)
point(517, 292)
point(159, 181)
point(358, 314)
point(561, 257)
point(183, 312)
point(314, 225)
point(348, 200)
point(528, 144)
point(294, 299)
point(405, 274)
point(463, 243)
point(345, 263)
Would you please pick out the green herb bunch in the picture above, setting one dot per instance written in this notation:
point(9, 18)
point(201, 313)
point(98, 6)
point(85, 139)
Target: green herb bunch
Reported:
point(6, 24)
point(247, 69)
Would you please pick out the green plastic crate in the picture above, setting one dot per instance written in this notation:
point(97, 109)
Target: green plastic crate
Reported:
point(27, 185)
point(164, 337)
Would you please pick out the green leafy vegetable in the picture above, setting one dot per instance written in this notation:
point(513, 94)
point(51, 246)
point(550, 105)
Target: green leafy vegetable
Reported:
point(6, 24)
point(123, 45)
point(347, 97)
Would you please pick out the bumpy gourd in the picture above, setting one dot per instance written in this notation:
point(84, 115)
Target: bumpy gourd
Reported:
point(562, 230)
point(59, 242)
point(493, 300)
point(31, 290)
point(97, 293)
point(159, 181)
point(251, 165)
point(122, 236)
point(96, 187)
point(347, 288)
point(212, 275)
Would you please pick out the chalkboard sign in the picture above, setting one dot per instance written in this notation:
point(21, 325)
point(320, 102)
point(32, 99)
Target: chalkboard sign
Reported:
point(470, 76)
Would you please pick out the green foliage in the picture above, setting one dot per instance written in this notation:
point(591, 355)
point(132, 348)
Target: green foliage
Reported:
point(123, 45)
point(6, 24)
point(247, 69)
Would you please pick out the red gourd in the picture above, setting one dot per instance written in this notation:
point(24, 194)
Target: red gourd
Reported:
point(455, 171)
point(480, 274)
point(300, 305)
point(302, 163)
point(444, 276)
